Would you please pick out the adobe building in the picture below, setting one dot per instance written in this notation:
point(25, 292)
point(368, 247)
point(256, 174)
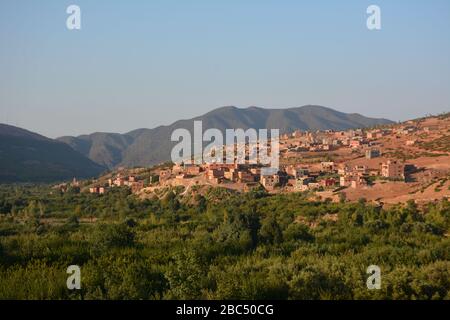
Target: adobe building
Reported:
point(164, 175)
point(270, 182)
point(329, 182)
point(97, 190)
point(327, 166)
point(373, 153)
point(393, 170)
point(358, 182)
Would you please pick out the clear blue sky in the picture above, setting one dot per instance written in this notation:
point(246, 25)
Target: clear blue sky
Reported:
point(147, 63)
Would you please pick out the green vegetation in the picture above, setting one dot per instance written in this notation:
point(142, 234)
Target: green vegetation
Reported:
point(408, 155)
point(218, 245)
point(444, 116)
point(439, 144)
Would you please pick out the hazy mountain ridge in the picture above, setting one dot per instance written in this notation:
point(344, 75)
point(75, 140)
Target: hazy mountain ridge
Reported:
point(29, 157)
point(106, 149)
point(144, 147)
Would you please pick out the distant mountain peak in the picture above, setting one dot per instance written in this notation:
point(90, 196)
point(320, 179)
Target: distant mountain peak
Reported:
point(145, 147)
point(26, 156)
point(10, 130)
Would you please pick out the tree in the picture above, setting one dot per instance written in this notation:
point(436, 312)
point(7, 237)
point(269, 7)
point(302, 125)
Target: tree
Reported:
point(270, 231)
point(170, 202)
point(185, 276)
point(110, 236)
point(121, 277)
point(297, 232)
point(201, 202)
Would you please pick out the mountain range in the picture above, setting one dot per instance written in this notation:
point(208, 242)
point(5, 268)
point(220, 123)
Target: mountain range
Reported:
point(29, 157)
point(145, 147)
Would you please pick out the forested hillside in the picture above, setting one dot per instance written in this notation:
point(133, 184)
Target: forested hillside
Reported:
point(29, 157)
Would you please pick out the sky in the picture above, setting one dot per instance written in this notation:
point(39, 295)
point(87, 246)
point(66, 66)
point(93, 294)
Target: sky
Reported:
point(141, 64)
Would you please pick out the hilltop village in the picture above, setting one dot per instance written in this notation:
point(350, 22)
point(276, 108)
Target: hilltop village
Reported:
point(387, 165)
